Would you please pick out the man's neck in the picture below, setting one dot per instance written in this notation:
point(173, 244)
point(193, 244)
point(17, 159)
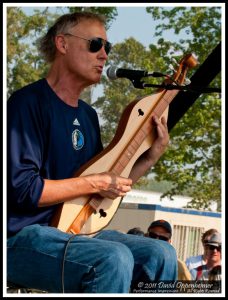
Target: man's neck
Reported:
point(65, 86)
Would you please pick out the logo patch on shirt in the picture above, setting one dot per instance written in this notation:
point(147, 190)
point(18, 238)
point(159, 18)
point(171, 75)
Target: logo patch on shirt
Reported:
point(76, 122)
point(77, 139)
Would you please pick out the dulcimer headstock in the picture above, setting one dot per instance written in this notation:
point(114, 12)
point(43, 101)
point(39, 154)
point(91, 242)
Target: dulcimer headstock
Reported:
point(189, 61)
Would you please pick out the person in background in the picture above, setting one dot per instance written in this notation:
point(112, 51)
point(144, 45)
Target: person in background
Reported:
point(162, 230)
point(213, 248)
point(136, 231)
point(193, 262)
point(51, 134)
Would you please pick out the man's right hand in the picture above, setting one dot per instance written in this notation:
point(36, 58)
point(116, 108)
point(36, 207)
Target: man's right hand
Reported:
point(109, 185)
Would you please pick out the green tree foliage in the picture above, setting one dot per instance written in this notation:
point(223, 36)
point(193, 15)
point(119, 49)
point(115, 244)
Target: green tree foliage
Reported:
point(197, 29)
point(194, 157)
point(24, 64)
point(192, 163)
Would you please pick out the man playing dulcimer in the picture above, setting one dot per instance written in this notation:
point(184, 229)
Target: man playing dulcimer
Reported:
point(51, 134)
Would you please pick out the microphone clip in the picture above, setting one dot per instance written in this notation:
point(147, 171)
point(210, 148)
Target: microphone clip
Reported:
point(138, 84)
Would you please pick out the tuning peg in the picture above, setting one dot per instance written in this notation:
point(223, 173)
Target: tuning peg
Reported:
point(174, 60)
point(187, 81)
point(171, 67)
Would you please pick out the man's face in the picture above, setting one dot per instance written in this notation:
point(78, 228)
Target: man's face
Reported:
point(83, 65)
point(213, 253)
point(159, 232)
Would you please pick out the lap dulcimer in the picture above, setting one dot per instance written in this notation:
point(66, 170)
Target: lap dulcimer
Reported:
point(135, 134)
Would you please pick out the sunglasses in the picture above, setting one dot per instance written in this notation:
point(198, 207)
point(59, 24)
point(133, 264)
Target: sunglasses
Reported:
point(95, 44)
point(212, 248)
point(157, 236)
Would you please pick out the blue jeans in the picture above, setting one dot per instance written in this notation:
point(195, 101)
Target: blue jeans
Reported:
point(46, 258)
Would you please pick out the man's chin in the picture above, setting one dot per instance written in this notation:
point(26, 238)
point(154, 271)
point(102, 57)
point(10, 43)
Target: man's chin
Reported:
point(97, 79)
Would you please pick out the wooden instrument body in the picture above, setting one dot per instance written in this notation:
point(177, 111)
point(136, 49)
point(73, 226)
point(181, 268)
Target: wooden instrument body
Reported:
point(129, 126)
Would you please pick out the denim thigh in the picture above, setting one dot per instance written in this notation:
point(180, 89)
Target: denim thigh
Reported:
point(154, 260)
point(42, 257)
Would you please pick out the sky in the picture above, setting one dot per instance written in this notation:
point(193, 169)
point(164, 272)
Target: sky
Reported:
point(135, 22)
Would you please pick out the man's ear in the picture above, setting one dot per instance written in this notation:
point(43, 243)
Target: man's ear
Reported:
point(61, 43)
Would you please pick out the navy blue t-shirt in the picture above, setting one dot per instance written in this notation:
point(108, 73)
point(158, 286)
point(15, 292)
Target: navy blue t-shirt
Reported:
point(46, 139)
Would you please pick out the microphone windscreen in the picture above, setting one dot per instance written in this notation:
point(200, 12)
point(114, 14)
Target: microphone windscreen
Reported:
point(111, 73)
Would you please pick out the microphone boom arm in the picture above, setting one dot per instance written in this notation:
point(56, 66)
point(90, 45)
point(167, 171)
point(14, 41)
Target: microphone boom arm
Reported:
point(197, 89)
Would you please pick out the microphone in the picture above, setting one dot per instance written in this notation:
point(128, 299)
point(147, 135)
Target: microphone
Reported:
point(114, 73)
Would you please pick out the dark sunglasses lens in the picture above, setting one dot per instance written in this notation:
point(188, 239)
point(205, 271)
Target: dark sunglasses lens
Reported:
point(96, 45)
point(163, 238)
point(153, 235)
point(156, 236)
point(214, 247)
point(108, 47)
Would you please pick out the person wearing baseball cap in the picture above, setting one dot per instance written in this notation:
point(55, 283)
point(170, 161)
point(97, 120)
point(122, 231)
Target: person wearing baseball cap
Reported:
point(215, 240)
point(213, 248)
point(162, 230)
point(198, 262)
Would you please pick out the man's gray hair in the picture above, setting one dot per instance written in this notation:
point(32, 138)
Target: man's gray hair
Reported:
point(46, 44)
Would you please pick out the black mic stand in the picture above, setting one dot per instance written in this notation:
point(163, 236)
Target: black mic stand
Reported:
point(197, 89)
